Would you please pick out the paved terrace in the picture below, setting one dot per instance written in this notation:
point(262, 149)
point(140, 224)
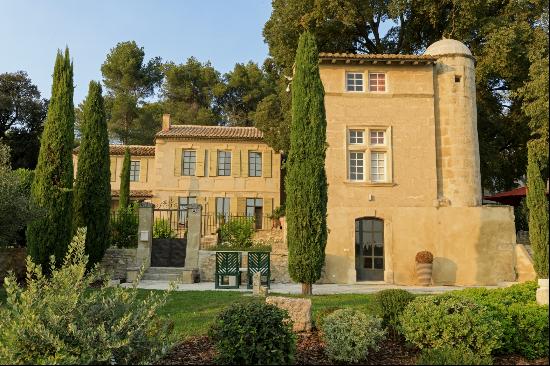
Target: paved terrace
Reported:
point(322, 289)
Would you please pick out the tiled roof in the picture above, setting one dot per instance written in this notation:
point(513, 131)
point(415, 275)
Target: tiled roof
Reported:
point(376, 57)
point(212, 132)
point(134, 193)
point(135, 150)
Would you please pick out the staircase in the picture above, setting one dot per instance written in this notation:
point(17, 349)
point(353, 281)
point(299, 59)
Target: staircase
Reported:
point(171, 274)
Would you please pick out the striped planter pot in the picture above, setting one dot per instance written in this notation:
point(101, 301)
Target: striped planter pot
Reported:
point(424, 273)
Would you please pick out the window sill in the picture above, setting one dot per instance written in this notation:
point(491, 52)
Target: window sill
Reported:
point(369, 184)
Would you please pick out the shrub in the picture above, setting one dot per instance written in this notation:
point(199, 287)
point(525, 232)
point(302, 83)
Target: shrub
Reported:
point(435, 321)
point(530, 333)
point(253, 333)
point(124, 227)
point(513, 307)
point(322, 314)
point(451, 356)
point(237, 233)
point(424, 257)
point(163, 230)
point(389, 305)
point(58, 320)
point(349, 334)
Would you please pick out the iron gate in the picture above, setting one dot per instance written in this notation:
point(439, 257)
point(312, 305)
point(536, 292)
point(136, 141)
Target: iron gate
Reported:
point(169, 238)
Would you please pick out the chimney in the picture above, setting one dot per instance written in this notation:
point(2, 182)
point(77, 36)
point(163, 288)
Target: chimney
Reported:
point(165, 122)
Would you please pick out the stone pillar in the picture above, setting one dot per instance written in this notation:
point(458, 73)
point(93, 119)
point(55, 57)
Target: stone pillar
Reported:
point(145, 235)
point(194, 221)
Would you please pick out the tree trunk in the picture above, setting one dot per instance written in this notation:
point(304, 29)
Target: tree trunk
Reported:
point(307, 289)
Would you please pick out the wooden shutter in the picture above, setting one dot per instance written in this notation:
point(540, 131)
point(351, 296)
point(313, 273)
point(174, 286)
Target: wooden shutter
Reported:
point(233, 206)
point(241, 206)
point(245, 163)
point(177, 162)
point(266, 164)
point(236, 163)
point(199, 168)
point(268, 206)
point(203, 201)
point(143, 170)
point(112, 164)
point(213, 163)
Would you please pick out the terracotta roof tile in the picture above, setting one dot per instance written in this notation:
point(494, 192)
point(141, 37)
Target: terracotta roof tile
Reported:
point(134, 193)
point(371, 56)
point(135, 150)
point(212, 132)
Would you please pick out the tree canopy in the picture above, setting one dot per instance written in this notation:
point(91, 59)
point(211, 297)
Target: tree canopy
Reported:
point(22, 113)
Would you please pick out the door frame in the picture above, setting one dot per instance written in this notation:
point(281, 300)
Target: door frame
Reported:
point(362, 274)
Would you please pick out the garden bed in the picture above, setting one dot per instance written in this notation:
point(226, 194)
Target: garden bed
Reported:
point(310, 351)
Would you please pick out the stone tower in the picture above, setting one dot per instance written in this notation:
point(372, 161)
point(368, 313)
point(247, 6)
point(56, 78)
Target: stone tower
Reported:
point(458, 176)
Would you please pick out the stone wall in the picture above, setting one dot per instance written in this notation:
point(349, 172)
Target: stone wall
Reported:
point(279, 266)
point(117, 260)
point(12, 259)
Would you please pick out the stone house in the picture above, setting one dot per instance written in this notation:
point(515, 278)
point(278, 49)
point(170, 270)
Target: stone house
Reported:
point(403, 171)
point(229, 171)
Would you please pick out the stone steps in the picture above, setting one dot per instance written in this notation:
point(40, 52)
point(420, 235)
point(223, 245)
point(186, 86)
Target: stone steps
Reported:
point(171, 274)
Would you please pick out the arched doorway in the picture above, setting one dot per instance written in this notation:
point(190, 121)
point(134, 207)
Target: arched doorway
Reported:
point(369, 249)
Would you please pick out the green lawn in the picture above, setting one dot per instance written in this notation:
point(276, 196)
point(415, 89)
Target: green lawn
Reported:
point(194, 311)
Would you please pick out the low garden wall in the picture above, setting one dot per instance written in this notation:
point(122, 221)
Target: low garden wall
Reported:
point(12, 259)
point(117, 260)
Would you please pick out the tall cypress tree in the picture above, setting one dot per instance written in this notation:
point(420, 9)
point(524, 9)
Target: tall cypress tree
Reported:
point(124, 197)
point(53, 183)
point(537, 202)
point(92, 200)
point(306, 181)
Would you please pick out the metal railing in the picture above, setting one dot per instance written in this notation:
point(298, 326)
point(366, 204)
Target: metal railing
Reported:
point(169, 223)
point(212, 222)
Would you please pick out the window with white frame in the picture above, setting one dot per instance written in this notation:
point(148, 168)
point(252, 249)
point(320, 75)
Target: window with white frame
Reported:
point(356, 136)
point(134, 171)
point(377, 166)
point(183, 204)
point(377, 82)
point(377, 137)
point(356, 165)
point(188, 162)
point(354, 81)
point(367, 154)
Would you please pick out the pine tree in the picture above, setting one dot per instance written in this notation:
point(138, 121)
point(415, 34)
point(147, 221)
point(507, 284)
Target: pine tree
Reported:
point(537, 202)
point(306, 182)
point(52, 188)
point(93, 188)
point(124, 197)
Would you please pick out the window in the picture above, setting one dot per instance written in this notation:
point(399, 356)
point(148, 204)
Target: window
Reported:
point(224, 163)
point(134, 171)
point(183, 203)
point(356, 165)
point(376, 137)
point(254, 164)
point(254, 208)
point(378, 166)
point(369, 155)
point(377, 82)
point(189, 160)
point(356, 136)
point(354, 81)
point(222, 207)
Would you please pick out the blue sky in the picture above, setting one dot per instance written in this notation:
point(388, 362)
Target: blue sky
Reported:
point(224, 32)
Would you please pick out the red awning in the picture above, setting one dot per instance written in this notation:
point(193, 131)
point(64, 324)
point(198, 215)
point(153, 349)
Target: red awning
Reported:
point(512, 198)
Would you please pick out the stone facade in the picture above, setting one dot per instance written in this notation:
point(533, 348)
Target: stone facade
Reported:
point(13, 259)
point(427, 195)
point(117, 261)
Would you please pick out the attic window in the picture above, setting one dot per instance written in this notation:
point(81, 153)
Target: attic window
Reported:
point(457, 78)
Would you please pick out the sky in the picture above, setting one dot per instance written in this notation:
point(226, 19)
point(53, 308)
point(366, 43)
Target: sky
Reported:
point(221, 31)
